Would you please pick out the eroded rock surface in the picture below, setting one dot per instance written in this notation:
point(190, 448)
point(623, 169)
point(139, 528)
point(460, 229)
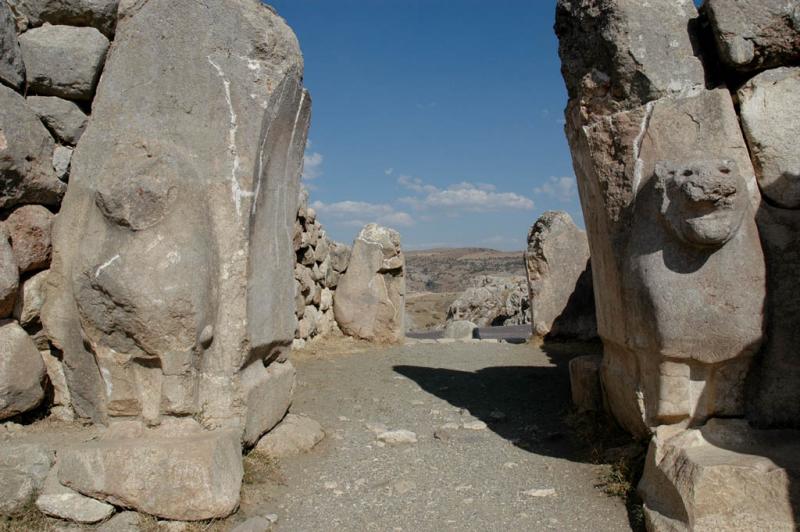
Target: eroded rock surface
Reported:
point(12, 69)
point(21, 371)
point(370, 298)
point(492, 301)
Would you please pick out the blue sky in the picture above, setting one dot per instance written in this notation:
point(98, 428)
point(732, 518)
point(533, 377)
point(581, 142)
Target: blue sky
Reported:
point(441, 119)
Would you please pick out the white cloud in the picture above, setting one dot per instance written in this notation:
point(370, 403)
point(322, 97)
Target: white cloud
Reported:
point(389, 171)
point(312, 165)
point(360, 213)
point(464, 196)
point(560, 188)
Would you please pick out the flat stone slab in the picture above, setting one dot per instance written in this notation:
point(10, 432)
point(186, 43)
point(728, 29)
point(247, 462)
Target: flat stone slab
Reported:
point(187, 476)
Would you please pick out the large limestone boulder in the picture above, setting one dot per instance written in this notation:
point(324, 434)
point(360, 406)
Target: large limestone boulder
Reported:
point(22, 371)
point(57, 500)
point(559, 281)
point(100, 14)
point(492, 301)
point(614, 58)
point(770, 114)
point(755, 34)
point(12, 69)
point(190, 475)
point(723, 476)
point(171, 290)
point(63, 61)
point(23, 470)
point(370, 298)
point(9, 275)
point(26, 164)
point(63, 118)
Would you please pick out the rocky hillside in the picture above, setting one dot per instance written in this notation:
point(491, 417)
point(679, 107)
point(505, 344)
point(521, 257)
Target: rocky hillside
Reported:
point(451, 270)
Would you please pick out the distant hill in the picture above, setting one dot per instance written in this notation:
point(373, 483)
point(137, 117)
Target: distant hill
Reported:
point(451, 269)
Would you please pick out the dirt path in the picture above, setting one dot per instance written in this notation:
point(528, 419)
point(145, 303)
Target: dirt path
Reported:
point(451, 478)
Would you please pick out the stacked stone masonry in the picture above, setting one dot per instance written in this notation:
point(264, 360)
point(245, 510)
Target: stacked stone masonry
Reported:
point(320, 264)
point(683, 126)
point(149, 177)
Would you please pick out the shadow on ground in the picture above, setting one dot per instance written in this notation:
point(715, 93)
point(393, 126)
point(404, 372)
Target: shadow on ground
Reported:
point(526, 405)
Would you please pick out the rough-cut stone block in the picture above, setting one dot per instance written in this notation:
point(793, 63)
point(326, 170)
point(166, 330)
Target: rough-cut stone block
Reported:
point(187, 477)
point(21, 371)
point(294, 435)
point(57, 500)
point(9, 275)
point(63, 118)
point(584, 382)
point(29, 229)
point(269, 395)
point(100, 14)
point(559, 282)
point(614, 56)
point(60, 407)
point(63, 61)
point(12, 69)
point(723, 476)
point(754, 34)
point(26, 169)
point(30, 300)
point(370, 298)
point(770, 114)
point(23, 470)
point(340, 256)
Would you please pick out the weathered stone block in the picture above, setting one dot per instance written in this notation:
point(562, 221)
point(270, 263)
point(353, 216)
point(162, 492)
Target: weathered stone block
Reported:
point(556, 261)
point(29, 229)
point(21, 371)
point(754, 34)
point(723, 476)
point(269, 394)
point(30, 300)
point(188, 477)
point(63, 118)
point(26, 169)
point(615, 57)
point(12, 69)
point(370, 298)
point(23, 470)
point(63, 61)
point(100, 14)
point(9, 275)
point(294, 435)
point(770, 114)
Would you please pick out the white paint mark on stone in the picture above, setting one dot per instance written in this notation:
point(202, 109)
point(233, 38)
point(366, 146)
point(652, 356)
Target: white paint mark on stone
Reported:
point(105, 265)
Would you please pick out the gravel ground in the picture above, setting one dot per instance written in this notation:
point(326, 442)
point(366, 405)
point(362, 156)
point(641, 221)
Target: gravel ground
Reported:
point(492, 452)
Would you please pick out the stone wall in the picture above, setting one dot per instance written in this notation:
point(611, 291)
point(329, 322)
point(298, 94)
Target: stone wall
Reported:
point(50, 63)
point(320, 264)
point(492, 301)
point(683, 128)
